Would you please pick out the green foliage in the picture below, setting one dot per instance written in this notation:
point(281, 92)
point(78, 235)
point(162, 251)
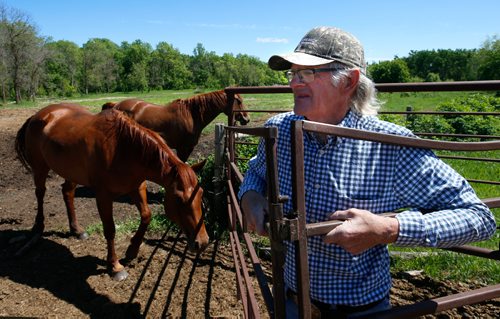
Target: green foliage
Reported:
point(488, 60)
point(246, 151)
point(214, 199)
point(395, 71)
point(461, 124)
point(432, 77)
point(457, 65)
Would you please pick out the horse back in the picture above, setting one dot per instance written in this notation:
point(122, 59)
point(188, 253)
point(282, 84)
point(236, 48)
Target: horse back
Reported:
point(66, 139)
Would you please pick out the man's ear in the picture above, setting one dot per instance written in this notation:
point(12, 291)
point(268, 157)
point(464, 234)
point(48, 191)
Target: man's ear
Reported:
point(352, 81)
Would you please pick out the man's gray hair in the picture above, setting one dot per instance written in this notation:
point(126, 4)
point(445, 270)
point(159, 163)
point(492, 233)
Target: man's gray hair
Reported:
point(364, 101)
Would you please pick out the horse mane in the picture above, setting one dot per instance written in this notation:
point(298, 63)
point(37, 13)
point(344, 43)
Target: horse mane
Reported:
point(149, 143)
point(203, 104)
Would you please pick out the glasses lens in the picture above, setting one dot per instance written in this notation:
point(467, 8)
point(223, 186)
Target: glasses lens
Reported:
point(305, 75)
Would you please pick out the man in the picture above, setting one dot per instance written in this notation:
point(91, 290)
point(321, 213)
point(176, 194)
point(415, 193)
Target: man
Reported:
point(356, 180)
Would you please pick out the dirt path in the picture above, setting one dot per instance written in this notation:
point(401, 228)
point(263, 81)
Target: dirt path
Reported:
point(66, 278)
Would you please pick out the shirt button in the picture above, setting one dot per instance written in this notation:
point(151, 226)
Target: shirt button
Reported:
point(317, 186)
point(321, 152)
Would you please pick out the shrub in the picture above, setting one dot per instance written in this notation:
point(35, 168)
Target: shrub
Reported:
point(461, 124)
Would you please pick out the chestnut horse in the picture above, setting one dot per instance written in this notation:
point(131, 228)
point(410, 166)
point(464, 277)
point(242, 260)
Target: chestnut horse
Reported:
point(113, 155)
point(181, 122)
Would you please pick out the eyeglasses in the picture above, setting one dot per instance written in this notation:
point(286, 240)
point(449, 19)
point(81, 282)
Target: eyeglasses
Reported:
point(306, 75)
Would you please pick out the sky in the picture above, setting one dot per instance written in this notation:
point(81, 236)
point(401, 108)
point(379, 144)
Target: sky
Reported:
point(263, 28)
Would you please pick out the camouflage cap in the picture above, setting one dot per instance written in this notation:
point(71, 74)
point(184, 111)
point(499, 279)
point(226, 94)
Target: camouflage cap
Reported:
point(323, 45)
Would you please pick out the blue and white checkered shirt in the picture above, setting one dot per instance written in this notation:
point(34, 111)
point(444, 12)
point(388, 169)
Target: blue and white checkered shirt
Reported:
point(348, 173)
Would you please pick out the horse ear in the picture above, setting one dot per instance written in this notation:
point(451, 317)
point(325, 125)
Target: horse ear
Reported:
point(198, 166)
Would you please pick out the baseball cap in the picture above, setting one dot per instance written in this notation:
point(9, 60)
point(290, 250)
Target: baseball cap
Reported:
point(323, 45)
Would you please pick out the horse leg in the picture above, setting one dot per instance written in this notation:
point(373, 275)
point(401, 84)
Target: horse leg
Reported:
point(139, 197)
point(105, 208)
point(39, 177)
point(68, 191)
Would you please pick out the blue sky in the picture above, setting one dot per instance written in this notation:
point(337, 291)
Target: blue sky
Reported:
point(263, 28)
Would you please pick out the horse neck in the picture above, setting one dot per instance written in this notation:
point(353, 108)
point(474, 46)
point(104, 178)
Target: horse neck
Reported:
point(205, 108)
point(147, 150)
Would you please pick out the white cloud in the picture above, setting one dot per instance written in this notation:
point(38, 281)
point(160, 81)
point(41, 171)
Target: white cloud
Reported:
point(271, 40)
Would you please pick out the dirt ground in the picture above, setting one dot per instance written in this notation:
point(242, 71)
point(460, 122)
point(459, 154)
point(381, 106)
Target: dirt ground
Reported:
point(62, 277)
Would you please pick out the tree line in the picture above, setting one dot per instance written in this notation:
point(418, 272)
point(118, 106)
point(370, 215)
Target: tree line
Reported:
point(32, 65)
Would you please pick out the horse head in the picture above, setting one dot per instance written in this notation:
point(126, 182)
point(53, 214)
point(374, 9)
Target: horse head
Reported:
point(108, 105)
point(183, 204)
point(241, 115)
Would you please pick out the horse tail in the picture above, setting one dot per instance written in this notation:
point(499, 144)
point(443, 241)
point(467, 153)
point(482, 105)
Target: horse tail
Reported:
point(108, 105)
point(20, 145)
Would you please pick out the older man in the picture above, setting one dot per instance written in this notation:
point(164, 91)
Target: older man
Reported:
point(356, 180)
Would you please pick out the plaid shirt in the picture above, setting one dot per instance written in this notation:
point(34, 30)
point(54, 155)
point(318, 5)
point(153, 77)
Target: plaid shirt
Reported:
point(348, 173)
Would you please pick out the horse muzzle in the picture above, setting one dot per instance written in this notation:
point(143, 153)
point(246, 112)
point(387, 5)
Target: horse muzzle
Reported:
point(243, 120)
point(199, 244)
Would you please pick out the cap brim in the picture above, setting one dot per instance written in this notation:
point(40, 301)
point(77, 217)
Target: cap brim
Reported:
point(285, 61)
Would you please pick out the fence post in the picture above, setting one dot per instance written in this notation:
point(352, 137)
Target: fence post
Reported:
point(409, 108)
point(218, 168)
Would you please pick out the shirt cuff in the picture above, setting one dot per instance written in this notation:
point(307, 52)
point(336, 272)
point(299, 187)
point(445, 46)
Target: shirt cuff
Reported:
point(411, 229)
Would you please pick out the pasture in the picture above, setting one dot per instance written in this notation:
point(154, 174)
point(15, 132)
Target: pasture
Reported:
point(66, 278)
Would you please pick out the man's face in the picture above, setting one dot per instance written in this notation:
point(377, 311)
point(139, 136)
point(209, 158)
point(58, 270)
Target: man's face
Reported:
point(319, 100)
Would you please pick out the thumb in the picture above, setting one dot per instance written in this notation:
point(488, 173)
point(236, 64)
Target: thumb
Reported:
point(341, 215)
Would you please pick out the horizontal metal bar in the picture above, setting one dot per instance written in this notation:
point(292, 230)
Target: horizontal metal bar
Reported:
point(437, 305)
point(475, 159)
point(493, 202)
point(322, 228)
point(457, 135)
point(399, 140)
point(490, 85)
point(266, 132)
point(438, 113)
point(476, 251)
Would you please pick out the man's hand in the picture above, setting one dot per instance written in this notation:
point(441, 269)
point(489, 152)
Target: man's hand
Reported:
point(362, 230)
point(254, 207)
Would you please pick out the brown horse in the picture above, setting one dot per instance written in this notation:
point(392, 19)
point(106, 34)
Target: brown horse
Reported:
point(113, 155)
point(181, 122)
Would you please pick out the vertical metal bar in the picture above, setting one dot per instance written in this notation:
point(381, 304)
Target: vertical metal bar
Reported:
point(299, 206)
point(276, 215)
point(219, 178)
point(230, 102)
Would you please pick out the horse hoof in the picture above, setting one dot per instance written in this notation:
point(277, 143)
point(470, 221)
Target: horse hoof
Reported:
point(131, 254)
point(121, 275)
point(83, 236)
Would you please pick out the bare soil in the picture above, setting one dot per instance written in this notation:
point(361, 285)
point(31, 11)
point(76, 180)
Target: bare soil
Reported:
point(62, 277)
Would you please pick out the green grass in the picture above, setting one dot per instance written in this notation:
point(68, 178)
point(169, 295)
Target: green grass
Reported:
point(419, 101)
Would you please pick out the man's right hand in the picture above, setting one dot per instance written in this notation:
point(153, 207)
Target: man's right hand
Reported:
point(254, 207)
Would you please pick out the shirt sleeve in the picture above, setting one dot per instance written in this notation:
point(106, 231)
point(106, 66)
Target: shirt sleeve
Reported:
point(445, 210)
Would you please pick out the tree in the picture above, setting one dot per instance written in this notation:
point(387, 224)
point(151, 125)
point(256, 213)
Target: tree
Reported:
point(22, 53)
point(134, 59)
point(202, 66)
point(488, 58)
point(100, 69)
point(456, 65)
point(62, 67)
point(395, 71)
point(168, 68)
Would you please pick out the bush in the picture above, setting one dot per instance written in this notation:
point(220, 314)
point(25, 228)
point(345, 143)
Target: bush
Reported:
point(461, 124)
point(214, 200)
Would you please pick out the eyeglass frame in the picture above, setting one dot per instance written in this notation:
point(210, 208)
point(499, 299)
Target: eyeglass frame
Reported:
point(290, 74)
